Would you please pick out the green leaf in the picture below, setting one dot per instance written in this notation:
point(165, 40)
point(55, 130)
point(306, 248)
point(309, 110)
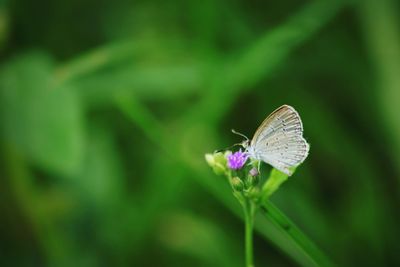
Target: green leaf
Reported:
point(193, 235)
point(286, 235)
point(381, 30)
point(264, 56)
point(44, 121)
point(276, 178)
point(101, 177)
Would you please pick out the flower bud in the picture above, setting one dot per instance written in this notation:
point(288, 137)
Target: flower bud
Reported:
point(237, 184)
point(252, 181)
point(252, 178)
point(220, 158)
point(254, 172)
point(210, 159)
point(217, 161)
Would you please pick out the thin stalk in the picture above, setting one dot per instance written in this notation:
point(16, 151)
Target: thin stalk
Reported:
point(249, 223)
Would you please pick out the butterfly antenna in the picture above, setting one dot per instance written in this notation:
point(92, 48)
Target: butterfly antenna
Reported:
point(240, 134)
point(237, 144)
point(221, 150)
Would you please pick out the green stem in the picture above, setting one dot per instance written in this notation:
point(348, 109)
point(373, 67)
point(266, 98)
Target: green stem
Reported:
point(249, 222)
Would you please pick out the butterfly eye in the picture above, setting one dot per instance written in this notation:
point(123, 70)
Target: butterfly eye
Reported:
point(245, 143)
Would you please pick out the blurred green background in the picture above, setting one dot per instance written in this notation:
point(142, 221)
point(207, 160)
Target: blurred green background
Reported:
point(107, 109)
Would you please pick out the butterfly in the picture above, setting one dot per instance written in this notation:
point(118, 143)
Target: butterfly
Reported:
point(279, 140)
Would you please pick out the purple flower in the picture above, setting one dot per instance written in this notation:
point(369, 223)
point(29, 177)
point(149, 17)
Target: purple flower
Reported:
point(237, 160)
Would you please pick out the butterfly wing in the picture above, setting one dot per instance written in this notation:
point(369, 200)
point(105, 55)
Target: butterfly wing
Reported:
point(279, 140)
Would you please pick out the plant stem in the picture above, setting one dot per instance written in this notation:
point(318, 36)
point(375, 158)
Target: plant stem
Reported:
point(249, 221)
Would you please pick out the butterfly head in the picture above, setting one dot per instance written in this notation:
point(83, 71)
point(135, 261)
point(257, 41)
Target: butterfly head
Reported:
point(245, 144)
point(249, 150)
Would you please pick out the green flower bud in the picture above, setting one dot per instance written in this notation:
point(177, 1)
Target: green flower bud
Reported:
point(221, 157)
point(252, 181)
point(217, 161)
point(254, 172)
point(237, 184)
point(252, 178)
point(210, 159)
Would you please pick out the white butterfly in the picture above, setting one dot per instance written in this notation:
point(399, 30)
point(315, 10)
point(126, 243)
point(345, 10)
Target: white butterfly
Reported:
point(279, 140)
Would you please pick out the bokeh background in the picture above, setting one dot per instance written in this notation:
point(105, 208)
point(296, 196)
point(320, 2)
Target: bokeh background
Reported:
point(107, 109)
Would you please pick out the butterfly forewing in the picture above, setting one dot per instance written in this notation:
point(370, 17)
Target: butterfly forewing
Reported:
point(279, 140)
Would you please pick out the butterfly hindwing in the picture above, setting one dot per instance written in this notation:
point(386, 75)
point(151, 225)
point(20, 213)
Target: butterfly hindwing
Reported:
point(279, 140)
